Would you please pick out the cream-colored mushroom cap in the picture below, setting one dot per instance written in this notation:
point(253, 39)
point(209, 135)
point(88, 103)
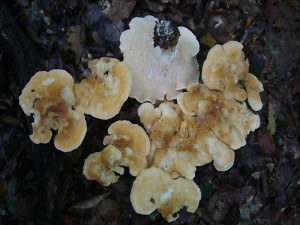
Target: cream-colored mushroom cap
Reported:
point(50, 97)
point(224, 67)
point(104, 167)
point(133, 143)
point(154, 189)
point(103, 94)
point(157, 72)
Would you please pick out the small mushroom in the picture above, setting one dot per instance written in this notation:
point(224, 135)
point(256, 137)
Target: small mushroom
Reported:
point(154, 189)
point(226, 69)
point(49, 97)
point(132, 141)
point(104, 166)
point(159, 60)
point(103, 94)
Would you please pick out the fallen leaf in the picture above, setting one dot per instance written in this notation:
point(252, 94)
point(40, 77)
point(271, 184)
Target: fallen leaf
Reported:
point(271, 119)
point(121, 9)
point(75, 40)
point(266, 142)
point(208, 40)
point(155, 6)
point(89, 202)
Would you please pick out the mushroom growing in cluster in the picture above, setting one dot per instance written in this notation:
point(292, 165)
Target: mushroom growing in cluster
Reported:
point(49, 96)
point(208, 122)
point(161, 57)
point(128, 145)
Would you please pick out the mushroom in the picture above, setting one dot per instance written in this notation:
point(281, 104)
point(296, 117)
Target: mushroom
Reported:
point(50, 98)
point(226, 69)
point(103, 94)
point(132, 141)
point(154, 189)
point(104, 166)
point(161, 57)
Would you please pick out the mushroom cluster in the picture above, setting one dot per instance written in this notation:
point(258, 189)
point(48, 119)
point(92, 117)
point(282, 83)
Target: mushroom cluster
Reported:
point(206, 124)
point(58, 104)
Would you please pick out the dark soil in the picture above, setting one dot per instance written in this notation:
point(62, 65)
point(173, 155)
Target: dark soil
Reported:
point(40, 185)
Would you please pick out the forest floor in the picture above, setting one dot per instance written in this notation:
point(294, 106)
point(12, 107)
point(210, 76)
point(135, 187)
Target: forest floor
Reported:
point(40, 185)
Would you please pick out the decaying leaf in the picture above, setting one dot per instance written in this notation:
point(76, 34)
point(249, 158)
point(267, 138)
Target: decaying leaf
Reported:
point(271, 119)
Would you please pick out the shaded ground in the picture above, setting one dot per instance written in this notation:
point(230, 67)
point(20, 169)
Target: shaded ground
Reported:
point(40, 185)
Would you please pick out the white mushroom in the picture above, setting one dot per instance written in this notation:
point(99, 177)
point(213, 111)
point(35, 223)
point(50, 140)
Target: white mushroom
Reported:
point(156, 71)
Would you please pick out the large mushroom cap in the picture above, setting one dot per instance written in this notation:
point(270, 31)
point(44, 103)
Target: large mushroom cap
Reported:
point(50, 97)
point(153, 68)
point(104, 166)
point(154, 189)
point(132, 141)
point(103, 94)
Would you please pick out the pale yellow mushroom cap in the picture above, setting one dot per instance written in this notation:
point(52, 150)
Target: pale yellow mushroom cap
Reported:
point(103, 94)
point(104, 167)
point(224, 67)
point(154, 189)
point(49, 97)
point(157, 72)
point(132, 141)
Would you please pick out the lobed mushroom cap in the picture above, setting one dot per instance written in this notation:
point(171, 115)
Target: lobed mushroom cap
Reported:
point(103, 94)
point(154, 189)
point(224, 67)
point(166, 71)
point(104, 166)
point(132, 141)
point(50, 97)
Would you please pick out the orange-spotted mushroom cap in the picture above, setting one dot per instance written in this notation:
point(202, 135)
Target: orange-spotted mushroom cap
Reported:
point(104, 167)
point(133, 143)
point(154, 189)
point(156, 71)
point(49, 97)
point(103, 94)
